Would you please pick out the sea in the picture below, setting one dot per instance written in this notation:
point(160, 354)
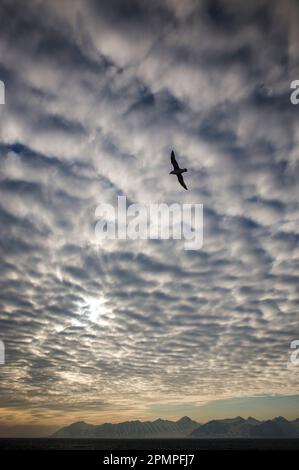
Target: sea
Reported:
point(47, 444)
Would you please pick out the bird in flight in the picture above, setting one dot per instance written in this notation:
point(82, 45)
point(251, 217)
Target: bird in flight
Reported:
point(177, 170)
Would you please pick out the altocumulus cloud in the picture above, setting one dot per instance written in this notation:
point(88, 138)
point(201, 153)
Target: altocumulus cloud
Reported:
point(97, 94)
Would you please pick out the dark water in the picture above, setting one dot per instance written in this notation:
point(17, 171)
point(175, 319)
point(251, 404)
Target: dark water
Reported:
point(149, 444)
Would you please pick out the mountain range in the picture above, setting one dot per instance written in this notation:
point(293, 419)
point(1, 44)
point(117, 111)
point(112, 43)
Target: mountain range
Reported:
point(185, 428)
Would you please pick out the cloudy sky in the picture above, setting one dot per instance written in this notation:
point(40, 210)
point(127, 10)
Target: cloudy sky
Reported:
point(97, 95)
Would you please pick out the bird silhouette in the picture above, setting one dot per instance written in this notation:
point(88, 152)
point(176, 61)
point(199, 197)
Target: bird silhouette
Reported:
point(177, 170)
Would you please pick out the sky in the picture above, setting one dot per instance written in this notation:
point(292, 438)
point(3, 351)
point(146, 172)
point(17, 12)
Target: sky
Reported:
point(97, 94)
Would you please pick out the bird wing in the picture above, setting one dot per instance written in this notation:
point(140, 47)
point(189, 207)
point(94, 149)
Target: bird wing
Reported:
point(174, 162)
point(181, 180)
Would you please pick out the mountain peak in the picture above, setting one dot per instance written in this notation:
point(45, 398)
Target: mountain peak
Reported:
point(185, 419)
point(252, 420)
point(280, 419)
point(80, 423)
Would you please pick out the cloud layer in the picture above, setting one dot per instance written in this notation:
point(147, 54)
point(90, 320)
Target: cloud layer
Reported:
point(97, 95)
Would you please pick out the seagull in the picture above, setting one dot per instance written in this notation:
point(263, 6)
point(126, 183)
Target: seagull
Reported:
point(177, 170)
